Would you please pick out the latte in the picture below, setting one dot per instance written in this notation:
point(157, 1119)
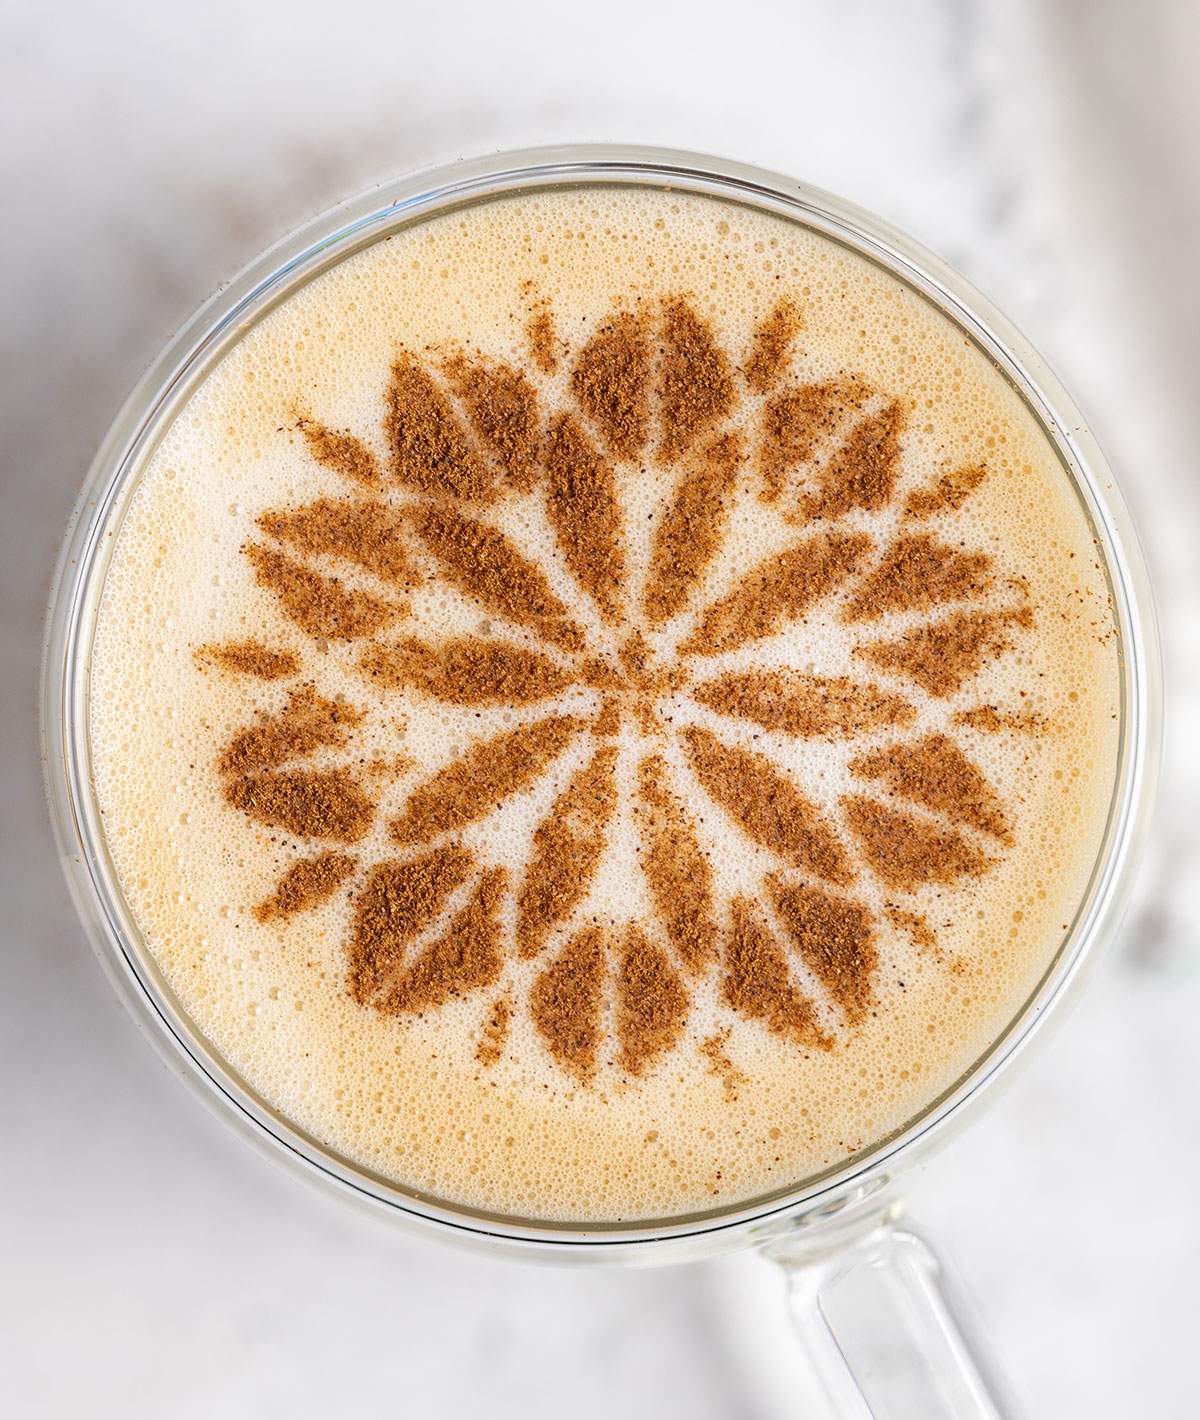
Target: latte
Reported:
point(604, 705)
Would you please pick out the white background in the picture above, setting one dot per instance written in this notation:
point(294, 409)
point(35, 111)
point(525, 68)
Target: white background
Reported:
point(151, 1264)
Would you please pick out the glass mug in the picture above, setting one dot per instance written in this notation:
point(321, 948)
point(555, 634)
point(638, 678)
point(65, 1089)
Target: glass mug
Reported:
point(882, 1331)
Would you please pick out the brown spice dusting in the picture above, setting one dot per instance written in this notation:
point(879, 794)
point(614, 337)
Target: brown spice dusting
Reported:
point(544, 344)
point(677, 873)
point(652, 1005)
point(797, 422)
point(367, 533)
point(905, 851)
point(945, 494)
point(581, 501)
point(311, 803)
point(305, 723)
point(713, 1049)
point(390, 766)
point(993, 721)
point(918, 571)
point(431, 450)
point(567, 999)
point(767, 807)
point(941, 656)
point(836, 940)
point(611, 383)
point(916, 927)
point(807, 706)
point(399, 901)
point(340, 451)
point(935, 772)
point(567, 847)
point(250, 658)
point(466, 670)
point(306, 884)
point(495, 1032)
point(756, 982)
point(608, 719)
point(771, 348)
point(476, 784)
point(466, 959)
point(695, 387)
point(690, 532)
point(480, 560)
point(778, 590)
point(863, 471)
point(322, 606)
point(503, 409)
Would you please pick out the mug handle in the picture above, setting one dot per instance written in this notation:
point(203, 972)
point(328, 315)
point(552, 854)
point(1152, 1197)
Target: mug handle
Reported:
point(882, 1328)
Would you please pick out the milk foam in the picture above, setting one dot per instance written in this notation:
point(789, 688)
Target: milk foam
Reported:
point(405, 1095)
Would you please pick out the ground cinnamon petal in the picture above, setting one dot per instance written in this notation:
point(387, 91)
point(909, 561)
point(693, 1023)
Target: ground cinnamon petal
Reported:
point(466, 959)
point(863, 471)
point(476, 784)
point(797, 422)
point(311, 803)
point(771, 346)
point(915, 925)
point(431, 450)
point(720, 1063)
point(250, 658)
point(695, 385)
point(689, 535)
point(941, 656)
point(306, 884)
point(322, 606)
point(544, 344)
point(766, 805)
point(494, 1035)
point(566, 1002)
point(905, 851)
point(567, 847)
point(503, 409)
point(652, 1004)
point(836, 939)
point(946, 494)
point(480, 560)
point(993, 721)
point(306, 722)
point(807, 706)
point(757, 984)
point(584, 511)
point(916, 572)
point(611, 383)
point(466, 670)
point(676, 870)
point(340, 451)
point(778, 590)
point(398, 902)
point(365, 532)
point(936, 773)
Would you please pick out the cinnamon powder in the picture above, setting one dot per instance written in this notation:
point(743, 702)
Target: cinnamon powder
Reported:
point(250, 658)
point(771, 346)
point(611, 383)
point(340, 451)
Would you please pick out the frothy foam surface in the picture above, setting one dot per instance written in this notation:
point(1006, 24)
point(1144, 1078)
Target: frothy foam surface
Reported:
point(604, 704)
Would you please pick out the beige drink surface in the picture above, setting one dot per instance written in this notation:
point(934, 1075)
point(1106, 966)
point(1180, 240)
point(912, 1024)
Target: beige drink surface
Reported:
point(604, 705)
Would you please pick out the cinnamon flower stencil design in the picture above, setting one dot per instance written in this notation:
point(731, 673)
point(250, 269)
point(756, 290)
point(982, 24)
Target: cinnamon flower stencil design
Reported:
point(647, 671)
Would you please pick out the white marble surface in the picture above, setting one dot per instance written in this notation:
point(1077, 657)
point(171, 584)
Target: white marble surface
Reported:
point(152, 1265)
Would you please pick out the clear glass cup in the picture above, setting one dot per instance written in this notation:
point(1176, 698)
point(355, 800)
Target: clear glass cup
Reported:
point(882, 1329)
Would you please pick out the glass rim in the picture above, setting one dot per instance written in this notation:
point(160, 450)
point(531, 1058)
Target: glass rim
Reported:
point(327, 240)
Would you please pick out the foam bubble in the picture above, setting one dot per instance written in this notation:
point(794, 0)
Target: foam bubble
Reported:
point(405, 1094)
